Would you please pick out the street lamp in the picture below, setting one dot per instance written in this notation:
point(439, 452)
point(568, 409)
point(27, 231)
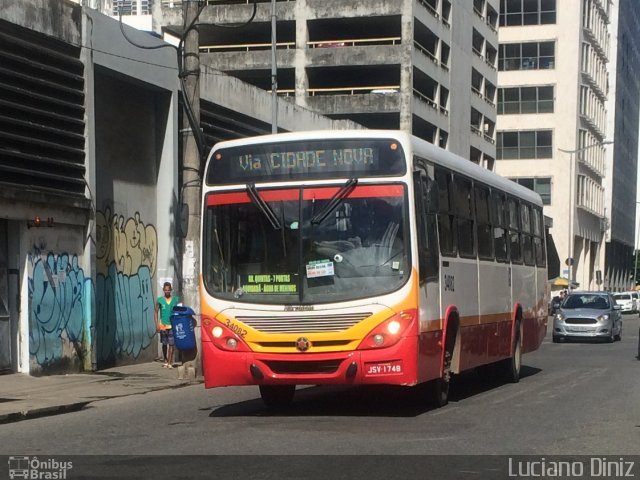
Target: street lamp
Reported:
point(635, 261)
point(572, 201)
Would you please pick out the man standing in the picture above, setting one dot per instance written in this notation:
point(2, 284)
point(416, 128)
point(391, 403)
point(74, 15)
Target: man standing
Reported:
point(164, 308)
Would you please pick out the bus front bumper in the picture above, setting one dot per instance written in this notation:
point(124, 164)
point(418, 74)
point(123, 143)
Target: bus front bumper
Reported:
point(395, 365)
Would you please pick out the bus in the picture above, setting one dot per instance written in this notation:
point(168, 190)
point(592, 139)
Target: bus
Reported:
point(364, 257)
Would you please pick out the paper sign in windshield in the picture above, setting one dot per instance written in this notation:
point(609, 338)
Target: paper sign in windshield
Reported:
point(258, 284)
point(320, 268)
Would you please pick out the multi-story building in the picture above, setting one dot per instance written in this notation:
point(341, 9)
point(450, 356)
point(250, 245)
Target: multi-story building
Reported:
point(622, 119)
point(136, 13)
point(428, 67)
point(554, 131)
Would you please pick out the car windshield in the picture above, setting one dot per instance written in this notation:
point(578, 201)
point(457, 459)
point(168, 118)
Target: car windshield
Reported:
point(622, 297)
point(597, 302)
point(306, 245)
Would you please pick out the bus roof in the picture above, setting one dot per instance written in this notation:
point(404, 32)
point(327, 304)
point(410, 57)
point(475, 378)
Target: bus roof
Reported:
point(415, 145)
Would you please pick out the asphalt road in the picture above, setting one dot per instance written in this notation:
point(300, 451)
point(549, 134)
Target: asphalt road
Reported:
point(573, 399)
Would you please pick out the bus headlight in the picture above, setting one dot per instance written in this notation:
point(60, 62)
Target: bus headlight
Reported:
point(390, 331)
point(217, 332)
point(222, 337)
point(393, 327)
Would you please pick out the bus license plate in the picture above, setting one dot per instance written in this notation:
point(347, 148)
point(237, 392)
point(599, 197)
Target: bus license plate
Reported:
point(386, 368)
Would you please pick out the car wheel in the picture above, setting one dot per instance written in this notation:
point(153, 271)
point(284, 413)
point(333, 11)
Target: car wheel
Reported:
point(611, 338)
point(618, 337)
point(555, 339)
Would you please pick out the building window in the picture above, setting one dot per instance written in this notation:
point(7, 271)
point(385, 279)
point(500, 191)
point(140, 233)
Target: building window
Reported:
point(526, 56)
point(527, 12)
point(542, 186)
point(524, 144)
point(525, 100)
point(130, 7)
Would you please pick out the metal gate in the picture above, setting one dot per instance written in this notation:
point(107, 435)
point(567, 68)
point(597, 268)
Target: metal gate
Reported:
point(5, 319)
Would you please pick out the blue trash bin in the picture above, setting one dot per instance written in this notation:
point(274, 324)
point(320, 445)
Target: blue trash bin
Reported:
point(182, 323)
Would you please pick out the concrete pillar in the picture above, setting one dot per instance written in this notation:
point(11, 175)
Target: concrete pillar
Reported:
point(302, 36)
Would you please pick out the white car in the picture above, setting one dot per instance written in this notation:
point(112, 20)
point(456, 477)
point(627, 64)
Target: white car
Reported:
point(636, 301)
point(625, 300)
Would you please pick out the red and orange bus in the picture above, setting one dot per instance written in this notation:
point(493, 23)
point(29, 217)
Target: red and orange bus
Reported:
point(364, 257)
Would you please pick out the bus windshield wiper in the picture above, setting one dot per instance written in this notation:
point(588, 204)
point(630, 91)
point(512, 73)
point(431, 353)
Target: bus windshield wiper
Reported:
point(263, 206)
point(340, 195)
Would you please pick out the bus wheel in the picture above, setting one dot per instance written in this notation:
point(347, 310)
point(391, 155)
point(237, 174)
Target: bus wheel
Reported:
point(511, 366)
point(277, 396)
point(438, 392)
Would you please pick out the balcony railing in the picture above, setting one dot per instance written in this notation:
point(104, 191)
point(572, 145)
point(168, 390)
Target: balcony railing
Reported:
point(432, 10)
point(359, 42)
point(427, 52)
point(178, 3)
point(379, 89)
point(429, 101)
point(245, 47)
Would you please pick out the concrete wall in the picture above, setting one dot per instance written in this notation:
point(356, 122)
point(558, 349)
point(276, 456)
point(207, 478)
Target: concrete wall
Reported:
point(231, 93)
point(134, 126)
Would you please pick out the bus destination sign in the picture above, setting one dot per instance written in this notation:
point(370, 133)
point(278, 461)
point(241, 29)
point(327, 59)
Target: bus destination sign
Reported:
point(301, 160)
point(318, 159)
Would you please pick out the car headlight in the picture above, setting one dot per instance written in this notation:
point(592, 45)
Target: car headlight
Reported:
point(560, 317)
point(603, 318)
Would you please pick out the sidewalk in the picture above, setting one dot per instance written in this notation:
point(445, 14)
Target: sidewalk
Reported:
point(23, 396)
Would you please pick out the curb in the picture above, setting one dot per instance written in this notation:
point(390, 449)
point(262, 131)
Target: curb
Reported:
point(50, 411)
point(42, 412)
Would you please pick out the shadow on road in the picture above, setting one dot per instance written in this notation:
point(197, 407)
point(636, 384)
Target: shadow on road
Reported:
point(368, 400)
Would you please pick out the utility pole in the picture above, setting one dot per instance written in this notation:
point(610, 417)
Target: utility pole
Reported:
point(274, 71)
point(191, 181)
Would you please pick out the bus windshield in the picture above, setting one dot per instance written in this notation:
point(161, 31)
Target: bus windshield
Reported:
point(306, 245)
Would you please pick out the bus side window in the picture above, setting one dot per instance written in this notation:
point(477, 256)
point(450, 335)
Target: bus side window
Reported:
point(527, 237)
point(426, 206)
point(446, 219)
point(498, 216)
point(514, 231)
point(483, 219)
point(538, 239)
point(464, 211)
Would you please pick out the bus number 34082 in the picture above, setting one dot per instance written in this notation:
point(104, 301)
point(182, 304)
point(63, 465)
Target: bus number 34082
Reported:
point(236, 329)
point(449, 285)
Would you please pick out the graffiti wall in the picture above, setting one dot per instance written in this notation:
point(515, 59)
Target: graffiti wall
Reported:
point(65, 302)
point(126, 254)
point(60, 307)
